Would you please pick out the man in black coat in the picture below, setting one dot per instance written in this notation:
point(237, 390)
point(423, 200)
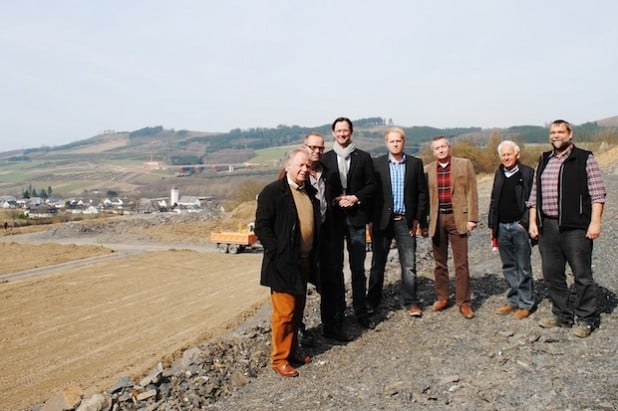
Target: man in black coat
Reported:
point(287, 223)
point(349, 190)
point(508, 221)
point(400, 208)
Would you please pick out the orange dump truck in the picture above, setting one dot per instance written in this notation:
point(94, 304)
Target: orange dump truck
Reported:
point(234, 242)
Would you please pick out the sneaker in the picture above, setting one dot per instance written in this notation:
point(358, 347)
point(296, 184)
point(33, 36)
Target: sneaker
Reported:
point(521, 313)
point(505, 309)
point(553, 323)
point(582, 330)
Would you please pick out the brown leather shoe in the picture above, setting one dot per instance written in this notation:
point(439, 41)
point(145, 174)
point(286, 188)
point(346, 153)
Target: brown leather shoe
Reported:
point(286, 370)
point(521, 314)
point(466, 311)
point(505, 309)
point(300, 359)
point(440, 305)
point(415, 311)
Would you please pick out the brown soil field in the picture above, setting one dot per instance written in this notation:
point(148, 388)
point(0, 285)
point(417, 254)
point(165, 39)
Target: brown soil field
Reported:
point(90, 325)
point(16, 257)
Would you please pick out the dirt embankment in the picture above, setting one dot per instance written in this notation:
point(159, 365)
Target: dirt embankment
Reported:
point(88, 324)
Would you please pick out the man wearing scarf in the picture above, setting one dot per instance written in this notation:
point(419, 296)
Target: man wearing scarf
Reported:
point(349, 190)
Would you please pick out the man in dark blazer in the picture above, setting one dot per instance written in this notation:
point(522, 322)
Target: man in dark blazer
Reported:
point(400, 206)
point(349, 191)
point(287, 222)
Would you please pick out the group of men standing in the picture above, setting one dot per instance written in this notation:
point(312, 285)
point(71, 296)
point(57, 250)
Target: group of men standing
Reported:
point(325, 201)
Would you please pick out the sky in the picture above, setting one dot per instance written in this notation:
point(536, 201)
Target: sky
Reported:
point(71, 70)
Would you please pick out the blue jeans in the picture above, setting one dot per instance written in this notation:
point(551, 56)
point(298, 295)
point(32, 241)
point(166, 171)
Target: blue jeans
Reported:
point(406, 246)
point(557, 248)
point(514, 246)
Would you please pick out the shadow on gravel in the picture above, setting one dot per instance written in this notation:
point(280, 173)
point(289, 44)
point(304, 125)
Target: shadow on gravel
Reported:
point(606, 299)
point(483, 288)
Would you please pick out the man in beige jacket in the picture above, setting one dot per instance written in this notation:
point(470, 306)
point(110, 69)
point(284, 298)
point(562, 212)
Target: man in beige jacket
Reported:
point(453, 214)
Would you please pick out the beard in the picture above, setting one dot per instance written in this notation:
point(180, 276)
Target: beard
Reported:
point(562, 148)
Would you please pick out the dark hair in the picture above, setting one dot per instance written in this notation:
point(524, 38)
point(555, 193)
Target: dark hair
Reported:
point(340, 119)
point(559, 122)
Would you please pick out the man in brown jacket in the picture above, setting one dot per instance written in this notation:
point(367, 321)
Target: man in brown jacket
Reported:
point(453, 214)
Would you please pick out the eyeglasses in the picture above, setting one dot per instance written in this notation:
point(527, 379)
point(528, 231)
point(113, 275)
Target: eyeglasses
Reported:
point(314, 148)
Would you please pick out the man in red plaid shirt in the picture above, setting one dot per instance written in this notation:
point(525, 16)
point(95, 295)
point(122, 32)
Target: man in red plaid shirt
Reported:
point(453, 214)
point(566, 205)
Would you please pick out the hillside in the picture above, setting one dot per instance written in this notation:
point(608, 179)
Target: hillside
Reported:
point(608, 122)
point(150, 161)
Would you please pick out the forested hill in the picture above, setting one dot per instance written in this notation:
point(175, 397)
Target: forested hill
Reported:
point(191, 147)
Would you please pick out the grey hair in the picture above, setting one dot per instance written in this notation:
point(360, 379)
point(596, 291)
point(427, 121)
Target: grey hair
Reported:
point(294, 152)
point(508, 143)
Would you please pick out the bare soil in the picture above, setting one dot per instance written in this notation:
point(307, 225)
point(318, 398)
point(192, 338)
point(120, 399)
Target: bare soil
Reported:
point(120, 313)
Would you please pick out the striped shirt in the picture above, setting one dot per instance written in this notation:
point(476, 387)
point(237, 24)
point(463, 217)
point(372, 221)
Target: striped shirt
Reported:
point(549, 183)
point(398, 172)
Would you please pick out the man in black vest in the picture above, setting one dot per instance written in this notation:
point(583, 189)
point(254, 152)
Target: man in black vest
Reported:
point(508, 222)
point(566, 205)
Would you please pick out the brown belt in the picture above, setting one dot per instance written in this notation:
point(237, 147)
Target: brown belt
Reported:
point(398, 217)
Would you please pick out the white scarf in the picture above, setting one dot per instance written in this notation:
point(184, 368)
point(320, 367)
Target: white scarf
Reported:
point(343, 157)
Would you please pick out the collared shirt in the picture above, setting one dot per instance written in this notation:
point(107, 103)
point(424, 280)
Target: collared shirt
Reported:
point(319, 184)
point(293, 184)
point(444, 186)
point(398, 172)
point(511, 172)
point(549, 183)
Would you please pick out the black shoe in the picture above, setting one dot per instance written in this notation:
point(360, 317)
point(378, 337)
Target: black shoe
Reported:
point(371, 308)
point(305, 339)
point(336, 334)
point(366, 322)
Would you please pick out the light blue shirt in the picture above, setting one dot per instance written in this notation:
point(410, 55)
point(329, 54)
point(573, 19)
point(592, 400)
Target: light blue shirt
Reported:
point(398, 172)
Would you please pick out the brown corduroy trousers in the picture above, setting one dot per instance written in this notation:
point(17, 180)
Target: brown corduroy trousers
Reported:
point(446, 232)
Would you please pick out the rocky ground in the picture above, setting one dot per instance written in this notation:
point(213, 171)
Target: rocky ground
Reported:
point(440, 361)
